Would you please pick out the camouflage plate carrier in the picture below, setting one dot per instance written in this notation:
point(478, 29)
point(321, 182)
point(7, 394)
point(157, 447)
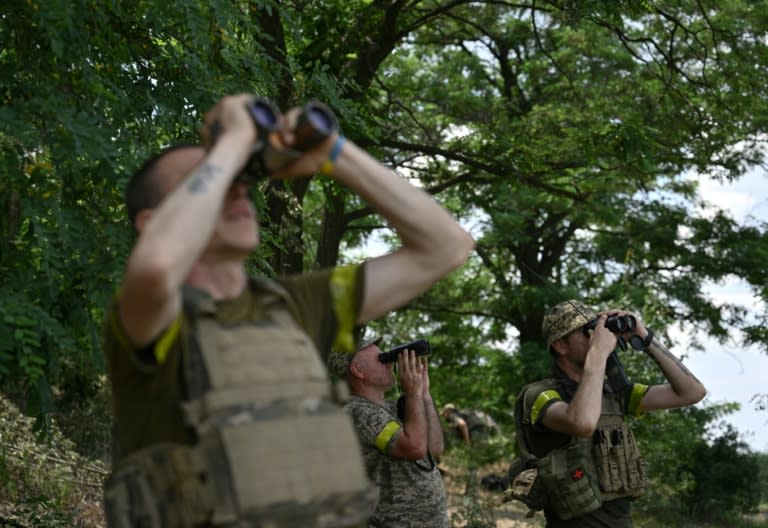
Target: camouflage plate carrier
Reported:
point(273, 448)
point(577, 479)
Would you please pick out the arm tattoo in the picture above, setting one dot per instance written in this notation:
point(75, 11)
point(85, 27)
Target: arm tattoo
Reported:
point(663, 350)
point(198, 180)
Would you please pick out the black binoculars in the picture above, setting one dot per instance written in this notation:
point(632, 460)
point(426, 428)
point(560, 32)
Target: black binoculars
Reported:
point(618, 324)
point(315, 123)
point(420, 346)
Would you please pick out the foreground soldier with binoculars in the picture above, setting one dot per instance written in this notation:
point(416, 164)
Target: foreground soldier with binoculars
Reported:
point(580, 462)
point(224, 414)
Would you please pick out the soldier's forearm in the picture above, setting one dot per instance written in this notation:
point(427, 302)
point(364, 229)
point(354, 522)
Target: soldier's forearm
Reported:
point(682, 380)
point(435, 439)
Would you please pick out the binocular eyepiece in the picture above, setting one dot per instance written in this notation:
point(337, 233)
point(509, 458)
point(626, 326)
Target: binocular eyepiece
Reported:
point(420, 346)
point(618, 324)
point(315, 123)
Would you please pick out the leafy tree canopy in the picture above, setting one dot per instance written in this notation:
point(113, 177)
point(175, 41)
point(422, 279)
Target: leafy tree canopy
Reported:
point(562, 132)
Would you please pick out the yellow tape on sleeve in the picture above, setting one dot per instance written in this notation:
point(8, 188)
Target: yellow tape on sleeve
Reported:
point(382, 441)
point(166, 341)
point(343, 291)
point(635, 407)
point(541, 400)
point(163, 344)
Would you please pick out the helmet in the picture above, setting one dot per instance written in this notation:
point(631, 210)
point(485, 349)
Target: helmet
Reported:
point(564, 318)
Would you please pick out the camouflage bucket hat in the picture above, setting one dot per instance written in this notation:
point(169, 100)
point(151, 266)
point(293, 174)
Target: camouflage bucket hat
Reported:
point(338, 362)
point(564, 318)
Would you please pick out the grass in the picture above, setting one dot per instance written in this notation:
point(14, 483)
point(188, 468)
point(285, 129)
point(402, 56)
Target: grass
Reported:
point(45, 484)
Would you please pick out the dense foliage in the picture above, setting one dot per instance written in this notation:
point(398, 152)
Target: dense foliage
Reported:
point(563, 133)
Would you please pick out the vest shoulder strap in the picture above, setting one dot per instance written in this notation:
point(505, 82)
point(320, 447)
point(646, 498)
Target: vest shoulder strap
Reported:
point(197, 302)
point(275, 288)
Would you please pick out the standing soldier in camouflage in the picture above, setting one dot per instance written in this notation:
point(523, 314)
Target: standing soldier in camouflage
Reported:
point(223, 409)
point(574, 422)
point(398, 450)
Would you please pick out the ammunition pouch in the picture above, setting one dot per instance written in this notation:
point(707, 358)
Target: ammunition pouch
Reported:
point(133, 492)
point(170, 485)
point(569, 478)
point(620, 468)
point(526, 486)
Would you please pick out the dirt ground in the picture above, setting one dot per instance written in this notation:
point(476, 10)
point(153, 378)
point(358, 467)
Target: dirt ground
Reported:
point(467, 497)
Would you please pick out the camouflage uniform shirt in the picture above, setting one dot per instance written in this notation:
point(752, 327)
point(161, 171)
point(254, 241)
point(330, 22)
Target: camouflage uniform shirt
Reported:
point(411, 494)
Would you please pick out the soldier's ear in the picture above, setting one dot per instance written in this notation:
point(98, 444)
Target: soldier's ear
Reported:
point(558, 345)
point(356, 370)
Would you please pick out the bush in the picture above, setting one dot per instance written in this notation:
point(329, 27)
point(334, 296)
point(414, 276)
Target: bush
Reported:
point(727, 478)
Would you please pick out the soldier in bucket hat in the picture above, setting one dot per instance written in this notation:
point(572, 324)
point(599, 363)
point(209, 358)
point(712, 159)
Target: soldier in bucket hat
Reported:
point(398, 449)
point(571, 426)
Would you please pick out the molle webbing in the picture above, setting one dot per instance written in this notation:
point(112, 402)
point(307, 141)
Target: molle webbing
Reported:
point(172, 472)
point(175, 486)
point(268, 406)
point(272, 450)
point(618, 463)
point(620, 467)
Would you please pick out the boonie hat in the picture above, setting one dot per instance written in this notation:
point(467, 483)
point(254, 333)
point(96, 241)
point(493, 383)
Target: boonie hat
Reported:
point(338, 362)
point(564, 318)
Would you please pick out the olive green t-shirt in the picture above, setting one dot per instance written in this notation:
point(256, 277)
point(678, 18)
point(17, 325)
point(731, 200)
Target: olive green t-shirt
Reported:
point(148, 385)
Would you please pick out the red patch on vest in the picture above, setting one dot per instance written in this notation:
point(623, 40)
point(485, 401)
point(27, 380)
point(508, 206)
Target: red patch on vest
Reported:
point(578, 474)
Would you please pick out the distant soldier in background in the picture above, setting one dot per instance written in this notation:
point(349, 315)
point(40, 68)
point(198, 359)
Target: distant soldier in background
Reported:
point(471, 426)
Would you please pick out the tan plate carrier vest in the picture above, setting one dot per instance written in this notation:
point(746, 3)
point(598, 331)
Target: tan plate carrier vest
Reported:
point(273, 449)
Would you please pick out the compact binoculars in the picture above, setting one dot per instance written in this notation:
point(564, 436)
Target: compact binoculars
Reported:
point(618, 324)
point(315, 123)
point(420, 346)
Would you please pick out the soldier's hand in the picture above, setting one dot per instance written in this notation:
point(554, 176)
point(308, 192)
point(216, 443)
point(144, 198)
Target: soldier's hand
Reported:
point(229, 118)
point(309, 161)
point(425, 375)
point(601, 340)
point(411, 373)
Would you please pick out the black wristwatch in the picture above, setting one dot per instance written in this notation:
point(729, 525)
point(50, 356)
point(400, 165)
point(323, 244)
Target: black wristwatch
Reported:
point(638, 343)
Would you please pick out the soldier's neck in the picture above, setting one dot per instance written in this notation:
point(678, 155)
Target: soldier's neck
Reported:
point(223, 280)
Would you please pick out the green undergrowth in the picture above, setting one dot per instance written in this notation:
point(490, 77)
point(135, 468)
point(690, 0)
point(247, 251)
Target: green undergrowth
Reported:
point(45, 482)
